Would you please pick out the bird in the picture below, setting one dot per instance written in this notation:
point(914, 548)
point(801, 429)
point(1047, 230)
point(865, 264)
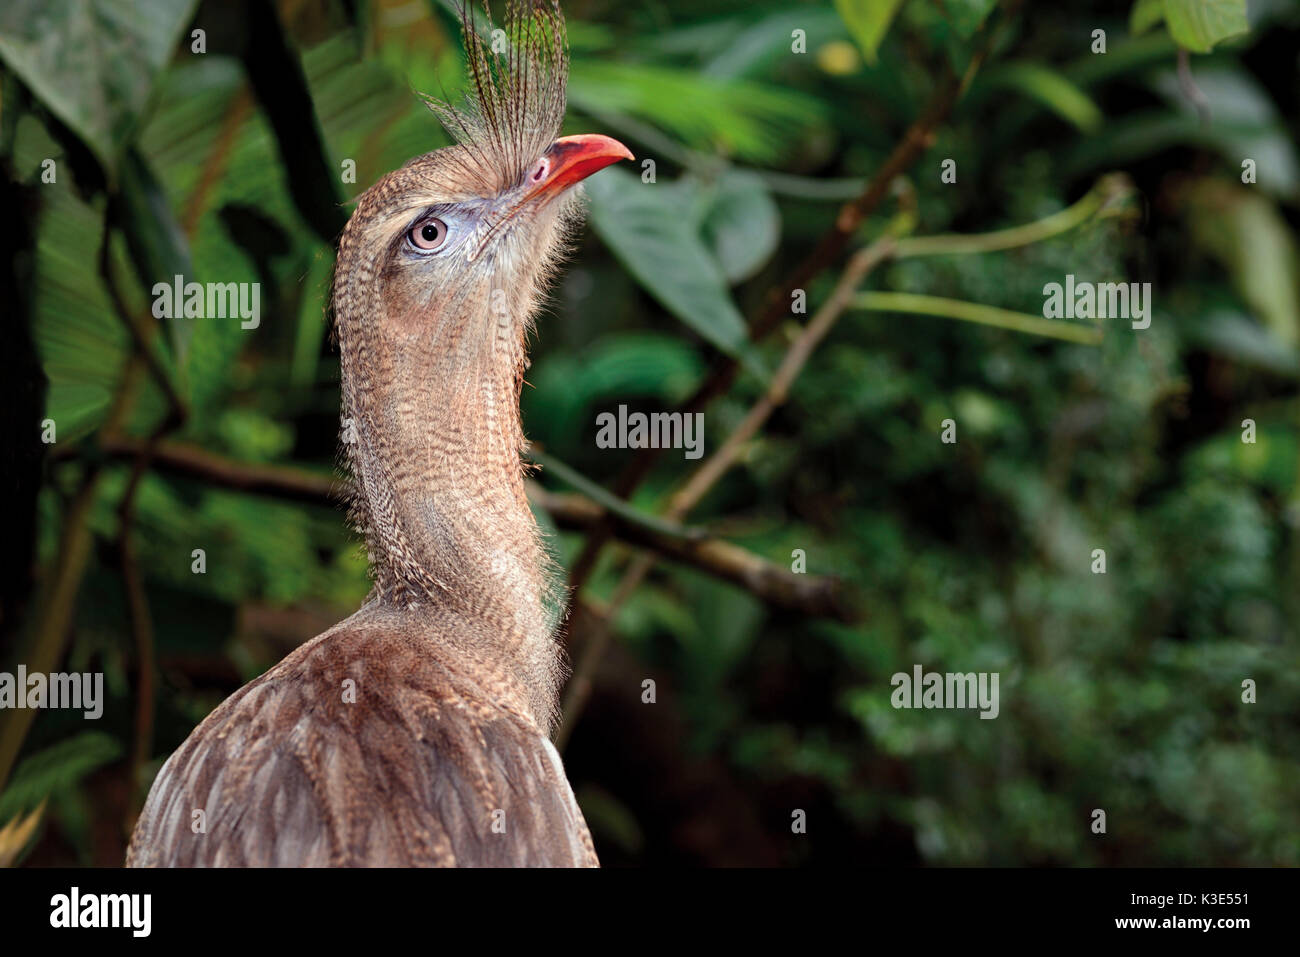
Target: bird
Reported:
point(416, 731)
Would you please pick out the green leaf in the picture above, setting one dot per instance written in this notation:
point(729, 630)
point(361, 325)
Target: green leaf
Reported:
point(93, 62)
point(1244, 230)
point(57, 767)
point(1246, 124)
point(81, 343)
point(1199, 24)
point(1145, 15)
point(312, 323)
point(757, 49)
point(742, 224)
point(651, 228)
point(967, 16)
point(1051, 89)
point(621, 365)
point(631, 364)
point(755, 121)
point(610, 819)
point(1241, 338)
point(868, 21)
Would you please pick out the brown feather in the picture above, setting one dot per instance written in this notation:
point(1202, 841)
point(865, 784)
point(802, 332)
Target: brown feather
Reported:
point(288, 773)
point(518, 77)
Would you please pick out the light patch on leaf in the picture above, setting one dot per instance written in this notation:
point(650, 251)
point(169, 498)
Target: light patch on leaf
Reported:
point(868, 21)
point(1200, 24)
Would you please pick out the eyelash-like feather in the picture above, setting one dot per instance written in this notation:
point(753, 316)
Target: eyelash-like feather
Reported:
point(518, 75)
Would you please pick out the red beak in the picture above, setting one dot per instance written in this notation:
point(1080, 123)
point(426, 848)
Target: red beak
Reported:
point(574, 158)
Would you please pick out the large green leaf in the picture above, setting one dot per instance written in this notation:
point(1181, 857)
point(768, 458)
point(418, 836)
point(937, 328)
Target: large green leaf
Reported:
point(754, 121)
point(1244, 230)
point(758, 49)
point(93, 62)
point(652, 229)
point(742, 224)
point(81, 343)
point(1199, 24)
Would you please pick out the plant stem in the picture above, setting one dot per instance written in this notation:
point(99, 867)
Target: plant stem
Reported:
point(977, 312)
point(1103, 196)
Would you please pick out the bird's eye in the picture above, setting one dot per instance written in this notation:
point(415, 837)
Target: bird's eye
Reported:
point(540, 170)
point(428, 234)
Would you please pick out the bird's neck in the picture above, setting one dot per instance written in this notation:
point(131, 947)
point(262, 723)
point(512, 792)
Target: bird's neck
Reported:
point(442, 503)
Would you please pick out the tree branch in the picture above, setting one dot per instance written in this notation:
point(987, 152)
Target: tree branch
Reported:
point(822, 597)
point(771, 583)
point(189, 461)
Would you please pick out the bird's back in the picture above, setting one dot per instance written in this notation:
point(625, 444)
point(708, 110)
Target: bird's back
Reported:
point(365, 747)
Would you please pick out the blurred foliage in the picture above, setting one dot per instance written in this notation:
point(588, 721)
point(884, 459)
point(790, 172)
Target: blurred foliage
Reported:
point(1119, 691)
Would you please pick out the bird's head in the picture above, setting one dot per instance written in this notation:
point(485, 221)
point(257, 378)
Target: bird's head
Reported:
point(440, 237)
point(458, 244)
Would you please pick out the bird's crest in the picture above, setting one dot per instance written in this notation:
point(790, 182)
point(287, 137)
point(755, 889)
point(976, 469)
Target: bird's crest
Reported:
point(517, 77)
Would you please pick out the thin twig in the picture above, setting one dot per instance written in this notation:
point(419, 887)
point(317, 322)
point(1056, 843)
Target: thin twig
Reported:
point(137, 604)
point(611, 502)
point(1187, 83)
point(215, 164)
point(142, 630)
point(713, 468)
point(57, 603)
